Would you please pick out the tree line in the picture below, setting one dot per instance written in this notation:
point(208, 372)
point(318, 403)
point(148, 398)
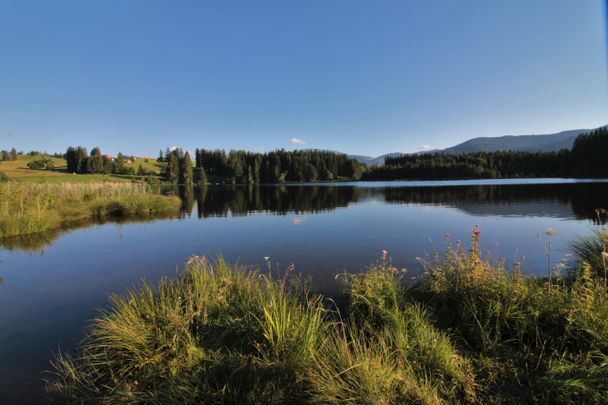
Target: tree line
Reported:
point(586, 159)
point(280, 166)
point(81, 162)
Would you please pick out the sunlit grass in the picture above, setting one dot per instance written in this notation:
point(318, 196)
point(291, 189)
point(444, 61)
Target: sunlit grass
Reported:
point(470, 332)
point(217, 333)
point(34, 208)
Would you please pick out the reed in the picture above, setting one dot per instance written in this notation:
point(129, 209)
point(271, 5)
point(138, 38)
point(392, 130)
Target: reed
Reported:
point(28, 208)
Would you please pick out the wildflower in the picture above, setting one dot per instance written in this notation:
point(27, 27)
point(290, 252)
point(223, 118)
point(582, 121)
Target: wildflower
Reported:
point(550, 232)
point(384, 253)
point(476, 230)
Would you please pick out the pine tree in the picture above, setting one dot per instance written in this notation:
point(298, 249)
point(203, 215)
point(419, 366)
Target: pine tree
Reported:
point(70, 157)
point(172, 169)
point(185, 170)
point(80, 160)
point(200, 177)
point(13, 154)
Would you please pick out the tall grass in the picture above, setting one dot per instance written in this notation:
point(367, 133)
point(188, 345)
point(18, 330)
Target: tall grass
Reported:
point(34, 208)
point(216, 334)
point(389, 338)
point(593, 251)
point(470, 332)
point(543, 341)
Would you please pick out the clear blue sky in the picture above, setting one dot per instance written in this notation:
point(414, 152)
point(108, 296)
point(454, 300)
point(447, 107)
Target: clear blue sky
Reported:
point(365, 77)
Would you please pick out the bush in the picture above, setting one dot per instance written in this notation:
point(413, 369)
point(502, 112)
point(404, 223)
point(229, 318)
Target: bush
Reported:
point(41, 164)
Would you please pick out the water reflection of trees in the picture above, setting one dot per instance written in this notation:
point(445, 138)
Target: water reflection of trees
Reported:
point(555, 200)
point(280, 200)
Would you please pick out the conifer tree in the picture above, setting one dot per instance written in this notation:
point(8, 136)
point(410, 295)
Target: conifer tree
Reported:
point(172, 169)
point(185, 170)
point(200, 177)
point(70, 157)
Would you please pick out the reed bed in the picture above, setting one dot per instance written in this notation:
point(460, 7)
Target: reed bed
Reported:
point(27, 209)
point(470, 332)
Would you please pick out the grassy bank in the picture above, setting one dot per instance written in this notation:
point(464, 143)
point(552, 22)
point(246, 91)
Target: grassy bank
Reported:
point(17, 170)
point(471, 332)
point(27, 208)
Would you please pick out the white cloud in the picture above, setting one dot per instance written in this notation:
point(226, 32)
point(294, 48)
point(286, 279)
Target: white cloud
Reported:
point(297, 141)
point(425, 147)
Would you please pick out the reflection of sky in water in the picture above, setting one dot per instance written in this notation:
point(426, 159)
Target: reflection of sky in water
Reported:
point(47, 296)
point(298, 219)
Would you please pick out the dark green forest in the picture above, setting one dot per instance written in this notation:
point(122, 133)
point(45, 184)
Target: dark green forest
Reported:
point(279, 166)
point(588, 158)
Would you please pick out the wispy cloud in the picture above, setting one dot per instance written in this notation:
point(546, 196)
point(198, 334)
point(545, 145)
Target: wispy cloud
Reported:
point(297, 141)
point(425, 147)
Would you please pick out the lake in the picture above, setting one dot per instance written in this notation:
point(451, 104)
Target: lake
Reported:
point(54, 283)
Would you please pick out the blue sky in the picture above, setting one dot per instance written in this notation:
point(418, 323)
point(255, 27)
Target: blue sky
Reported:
point(364, 77)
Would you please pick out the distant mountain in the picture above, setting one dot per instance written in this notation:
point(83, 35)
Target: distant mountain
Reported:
point(374, 161)
point(523, 143)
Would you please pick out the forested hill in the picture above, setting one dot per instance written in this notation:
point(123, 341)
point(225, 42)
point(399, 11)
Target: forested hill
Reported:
point(374, 161)
point(519, 143)
point(587, 158)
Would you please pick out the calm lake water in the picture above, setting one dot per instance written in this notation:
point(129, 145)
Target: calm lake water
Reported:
point(53, 285)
